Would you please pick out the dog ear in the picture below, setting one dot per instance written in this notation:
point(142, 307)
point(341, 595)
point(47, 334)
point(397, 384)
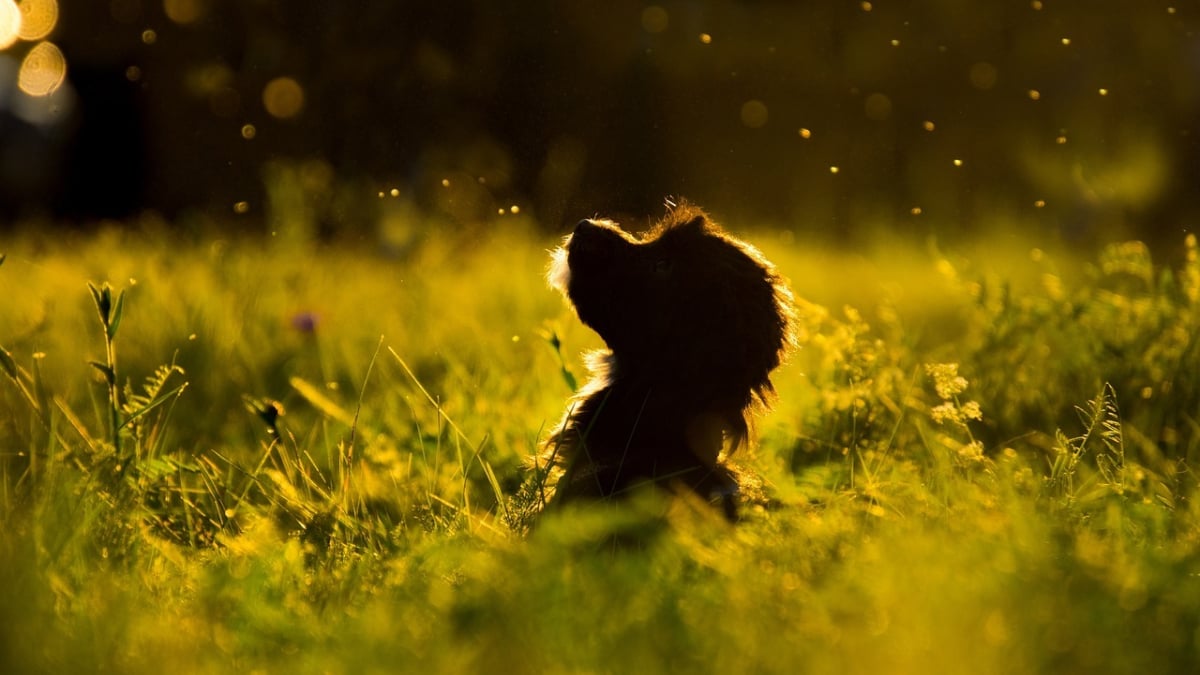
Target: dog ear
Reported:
point(697, 222)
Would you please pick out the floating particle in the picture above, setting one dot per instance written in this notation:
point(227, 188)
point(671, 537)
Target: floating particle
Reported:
point(381, 194)
point(149, 36)
point(895, 43)
point(445, 182)
point(133, 73)
point(866, 6)
point(1034, 94)
point(958, 162)
point(1066, 41)
point(805, 133)
point(248, 131)
point(1041, 203)
point(500, 212)
point(833, 169)
point(1103, 91)
point(1061, 140)
point(705, 38)
point(514, 209)
point(1170, 10)
point(241, 207)
point(1036, 5)
point(928, 125)
point(395, 192)
point(916, 210)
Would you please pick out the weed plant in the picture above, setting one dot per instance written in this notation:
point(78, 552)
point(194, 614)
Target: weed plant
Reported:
point(244, 455)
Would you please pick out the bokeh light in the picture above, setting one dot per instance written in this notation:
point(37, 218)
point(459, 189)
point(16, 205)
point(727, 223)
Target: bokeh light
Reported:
point(655, 19)
point(754, 113)
point(38, 18)
point(184, 11)
point(42, 70)
point(878, 107)
point(283, 97)
point(10, 23)
point(983, 75)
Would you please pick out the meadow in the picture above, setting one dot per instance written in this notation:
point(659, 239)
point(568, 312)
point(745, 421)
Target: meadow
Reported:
point(266, 454)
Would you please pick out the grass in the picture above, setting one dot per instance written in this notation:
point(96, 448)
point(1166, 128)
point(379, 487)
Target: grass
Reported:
point(286, 457)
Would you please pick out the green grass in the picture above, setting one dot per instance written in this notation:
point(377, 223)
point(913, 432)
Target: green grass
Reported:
point(277, 457)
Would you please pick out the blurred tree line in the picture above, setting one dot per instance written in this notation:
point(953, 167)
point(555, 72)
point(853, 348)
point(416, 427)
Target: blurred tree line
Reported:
point(1075, 117)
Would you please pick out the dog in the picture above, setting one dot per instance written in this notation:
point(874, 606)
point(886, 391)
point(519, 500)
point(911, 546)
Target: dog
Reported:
point(695, 321)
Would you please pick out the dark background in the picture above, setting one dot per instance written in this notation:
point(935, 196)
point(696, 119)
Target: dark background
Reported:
point(467, 107)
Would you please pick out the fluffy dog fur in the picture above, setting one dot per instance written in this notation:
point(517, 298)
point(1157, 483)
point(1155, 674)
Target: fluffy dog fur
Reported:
point(694, 321)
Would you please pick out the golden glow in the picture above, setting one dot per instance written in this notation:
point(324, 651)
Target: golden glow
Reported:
point(958, 162)
point(654, 19)
point(241, 207)
point(184, 11)
point(1066, 41)
point(895, 43)
point(1041, 203)
point(38, 18)
point(916, 211)
point(248, 131)
point(514, 209)
point(706, 38)
point(1103, 91)
point(833, 169)
point(928, 125)
point(1036, 5)
point(866, 6)
point(10, 23)
point(805, 133)
point(983, 75)
point(283, 97)
point(133, 73)
point(42, 70)
point(149, 36)
point(1061, 140)
point(754, 113)
point(1034, 94)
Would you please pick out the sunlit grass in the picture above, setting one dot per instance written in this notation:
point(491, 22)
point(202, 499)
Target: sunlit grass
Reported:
point(980, 461)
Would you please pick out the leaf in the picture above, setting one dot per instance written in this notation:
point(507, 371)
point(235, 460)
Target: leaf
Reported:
point(115, 319)
point(103, 298)
point(109, 376)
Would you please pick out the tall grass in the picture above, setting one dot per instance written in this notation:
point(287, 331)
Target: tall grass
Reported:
point(967, 470)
